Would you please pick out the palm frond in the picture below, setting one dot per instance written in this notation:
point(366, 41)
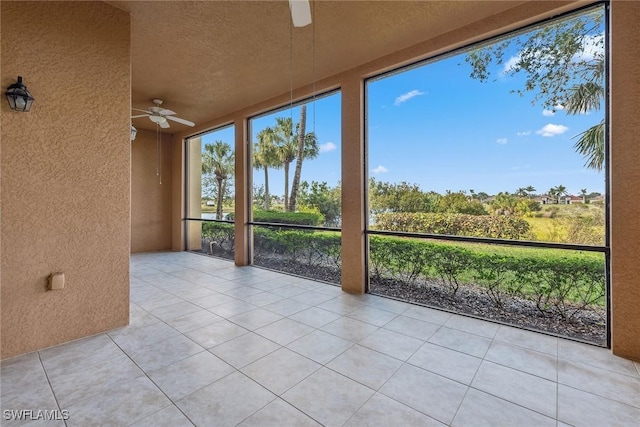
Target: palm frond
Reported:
point(584, 97)
point(590, 144)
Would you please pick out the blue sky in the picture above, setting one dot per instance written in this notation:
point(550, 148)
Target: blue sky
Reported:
point(436, 127)
point(464, 134)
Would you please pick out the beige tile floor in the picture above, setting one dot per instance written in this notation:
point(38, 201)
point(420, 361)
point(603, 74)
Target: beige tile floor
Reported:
point(212, 344)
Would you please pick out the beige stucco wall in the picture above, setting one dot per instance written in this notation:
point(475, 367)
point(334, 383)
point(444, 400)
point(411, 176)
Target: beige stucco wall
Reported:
point(65, 180)
point(178, 195)
point(194, 210)
point(354, 277)
point(625, 178)
point(150, 199)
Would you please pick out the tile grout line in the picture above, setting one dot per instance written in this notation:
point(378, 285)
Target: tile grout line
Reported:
point(277, 396)
point(482, 360)
point(637, 367)
point(597, 396)
point(156, 385)
point(557, 381)
point(513, 403)
point(239, 369)
point(50, 386)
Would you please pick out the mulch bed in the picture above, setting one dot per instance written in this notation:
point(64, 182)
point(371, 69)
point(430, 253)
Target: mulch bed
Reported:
point(586, 325)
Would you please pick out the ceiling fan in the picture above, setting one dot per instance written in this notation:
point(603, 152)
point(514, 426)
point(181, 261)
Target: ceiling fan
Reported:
point(159, 115)
point(300, 12)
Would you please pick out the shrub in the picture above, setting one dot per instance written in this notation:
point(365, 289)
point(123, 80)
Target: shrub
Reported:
point(294, 218)
point(563, 285)
point(406, 259)
point(588, 229)
point(504, 227)
point(556, 281)
point(450, 264)
point(218, 235)
point(494, 272)
point(309, 248)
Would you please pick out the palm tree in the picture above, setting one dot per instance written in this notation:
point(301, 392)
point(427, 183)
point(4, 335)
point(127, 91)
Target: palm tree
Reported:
point(583, 193)
point(218, 158)
point(521, 192)
point(582, 98)
point(286, 149)
point(307, 149)
point(553, 194)
point(265, 157)
point(530, 190)
point(559, 191)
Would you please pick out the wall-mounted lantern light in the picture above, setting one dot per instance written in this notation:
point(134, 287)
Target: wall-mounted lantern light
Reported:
point(134, 131)
point(19, 97)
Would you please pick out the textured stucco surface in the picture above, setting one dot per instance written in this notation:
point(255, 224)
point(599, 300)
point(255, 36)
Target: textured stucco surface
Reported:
point(625, 179)
point(353, 206)
point(65, 173)
point(225, 55)
point(150, 200)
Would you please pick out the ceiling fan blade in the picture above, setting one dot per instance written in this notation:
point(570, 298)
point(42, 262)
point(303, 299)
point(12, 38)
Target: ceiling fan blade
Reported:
point(164, 124)
point(144, 111)
point(165, 112)
point(141, 115)
point(300, 12)
point(179, 120)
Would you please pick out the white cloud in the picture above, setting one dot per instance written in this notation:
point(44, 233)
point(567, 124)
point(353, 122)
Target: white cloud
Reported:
point(510, 64)
point(524, 133)
point(407, 96)
point(329, 146)
point(552, 130)
point(553, 111)
point(593, 47)
point(379, 169)
point(502, 140)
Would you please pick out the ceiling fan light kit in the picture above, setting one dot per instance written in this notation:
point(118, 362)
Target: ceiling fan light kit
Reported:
point(158, 119)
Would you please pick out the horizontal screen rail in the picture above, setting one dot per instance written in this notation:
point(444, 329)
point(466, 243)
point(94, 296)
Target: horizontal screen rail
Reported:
point(294, 226)
point(492, 241)
point(226, 221)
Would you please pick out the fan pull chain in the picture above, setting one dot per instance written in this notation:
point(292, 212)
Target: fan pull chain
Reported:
point(160, 162)
point(313, 62)
point(291, 74)
point(158, 153)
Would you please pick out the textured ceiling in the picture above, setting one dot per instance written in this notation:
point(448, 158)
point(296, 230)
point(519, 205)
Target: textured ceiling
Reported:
point(207, 59)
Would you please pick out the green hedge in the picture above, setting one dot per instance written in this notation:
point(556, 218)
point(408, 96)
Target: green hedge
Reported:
point(218, 236)
point(558, 282)
point(278, 217)
point(309, 248)
point(493, 226)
